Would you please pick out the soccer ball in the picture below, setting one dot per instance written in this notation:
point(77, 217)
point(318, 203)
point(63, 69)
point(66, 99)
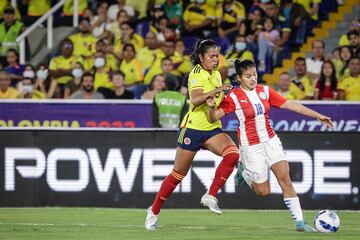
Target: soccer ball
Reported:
point(326, 221)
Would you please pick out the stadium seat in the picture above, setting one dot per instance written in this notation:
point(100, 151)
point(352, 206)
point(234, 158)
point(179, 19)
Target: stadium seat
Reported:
point(190, 43)
point(223, 42)
point(142, 28)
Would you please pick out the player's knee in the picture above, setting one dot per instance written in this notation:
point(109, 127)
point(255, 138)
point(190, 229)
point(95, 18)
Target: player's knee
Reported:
point(231, 154)
point(263, 192)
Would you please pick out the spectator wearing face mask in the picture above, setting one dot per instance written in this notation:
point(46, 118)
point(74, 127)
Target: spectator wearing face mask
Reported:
point(101, 72)
point(87, 89)
point(239, 51)
point(27, 89)
point(74, 84)
point(111, 61)
point(46, 84)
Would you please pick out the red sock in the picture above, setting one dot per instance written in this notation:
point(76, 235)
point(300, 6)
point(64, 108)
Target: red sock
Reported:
point(167, 187)
point(225, 168)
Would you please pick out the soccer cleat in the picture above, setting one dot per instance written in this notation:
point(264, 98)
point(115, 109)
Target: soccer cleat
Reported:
point(151, 220)
point(301, 226)
point(239, 179)
point(211, 202)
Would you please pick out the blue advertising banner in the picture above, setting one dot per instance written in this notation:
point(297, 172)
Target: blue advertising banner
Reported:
point(137, 114)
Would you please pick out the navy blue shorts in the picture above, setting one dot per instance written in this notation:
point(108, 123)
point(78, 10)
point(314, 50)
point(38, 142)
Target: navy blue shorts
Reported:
point(191, 139)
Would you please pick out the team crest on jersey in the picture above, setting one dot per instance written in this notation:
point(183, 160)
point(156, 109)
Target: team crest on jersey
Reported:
point(262, 95)
point(187, 141)
point(193, 81)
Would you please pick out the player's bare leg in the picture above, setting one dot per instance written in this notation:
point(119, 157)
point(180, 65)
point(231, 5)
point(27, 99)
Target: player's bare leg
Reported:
point(282, 172)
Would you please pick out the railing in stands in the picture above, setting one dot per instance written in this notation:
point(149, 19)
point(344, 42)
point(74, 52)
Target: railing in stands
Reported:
point(49, 18)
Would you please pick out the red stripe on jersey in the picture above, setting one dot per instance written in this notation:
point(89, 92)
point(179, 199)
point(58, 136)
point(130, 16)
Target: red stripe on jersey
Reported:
point(250, 124)
point(266, 104)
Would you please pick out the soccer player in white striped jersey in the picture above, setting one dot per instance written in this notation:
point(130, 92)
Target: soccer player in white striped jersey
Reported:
point(260, 148)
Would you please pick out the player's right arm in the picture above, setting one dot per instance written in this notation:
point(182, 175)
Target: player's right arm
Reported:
point(226, 106)
point(198, 97)
point(214, 113)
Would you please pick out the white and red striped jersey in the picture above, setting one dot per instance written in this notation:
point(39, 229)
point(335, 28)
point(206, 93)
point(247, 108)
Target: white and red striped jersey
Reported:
point(252, 111)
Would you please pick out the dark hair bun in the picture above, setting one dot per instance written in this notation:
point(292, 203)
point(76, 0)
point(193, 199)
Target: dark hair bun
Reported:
point(236, 61)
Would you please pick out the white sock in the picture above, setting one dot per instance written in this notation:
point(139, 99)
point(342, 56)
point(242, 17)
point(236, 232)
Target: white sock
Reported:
point(247, 179)
point(294, 207)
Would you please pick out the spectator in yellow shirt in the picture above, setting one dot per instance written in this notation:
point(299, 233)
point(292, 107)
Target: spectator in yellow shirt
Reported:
point(182, 62)
point(28, 90)
point(168, 50)
point(36, 8)
point(110, 59)
point(354, 25)
point(199, 19)
point(84, 42)
point(302, 81)
point(115, 26)
point(131, 67)
point(149, 52)
point(101, 72)
point(341, 64)
point(128, 35)
point(349, 86)
point(286, 88)
point(61, 66)
point(7, 92)
point(229, 16)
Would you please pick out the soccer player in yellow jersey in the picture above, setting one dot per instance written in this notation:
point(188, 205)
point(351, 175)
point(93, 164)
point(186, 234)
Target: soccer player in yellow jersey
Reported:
point(197, 132)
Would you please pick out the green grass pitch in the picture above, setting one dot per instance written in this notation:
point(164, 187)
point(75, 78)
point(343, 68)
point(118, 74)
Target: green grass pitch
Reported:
point(110, 223)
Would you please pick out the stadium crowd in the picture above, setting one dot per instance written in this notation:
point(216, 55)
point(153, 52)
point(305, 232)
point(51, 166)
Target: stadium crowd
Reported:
point(129, 49)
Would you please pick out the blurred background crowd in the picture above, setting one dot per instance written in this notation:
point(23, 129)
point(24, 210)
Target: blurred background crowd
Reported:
point(133, 49)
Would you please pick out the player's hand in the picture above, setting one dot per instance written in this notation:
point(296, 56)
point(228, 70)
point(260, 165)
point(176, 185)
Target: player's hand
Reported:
point(224, 88)
point(326, 121)
point(210, 100)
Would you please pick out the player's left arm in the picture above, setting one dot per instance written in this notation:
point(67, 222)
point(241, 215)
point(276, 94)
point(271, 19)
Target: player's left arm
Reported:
point(299, 108)
point(279, 101)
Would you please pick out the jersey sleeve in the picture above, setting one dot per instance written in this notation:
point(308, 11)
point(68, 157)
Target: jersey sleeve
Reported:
point(227, 104)
point(275, 99)
point(195, 81)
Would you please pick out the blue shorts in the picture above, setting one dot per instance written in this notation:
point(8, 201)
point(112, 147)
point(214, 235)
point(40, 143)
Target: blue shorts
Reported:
point(192, 140)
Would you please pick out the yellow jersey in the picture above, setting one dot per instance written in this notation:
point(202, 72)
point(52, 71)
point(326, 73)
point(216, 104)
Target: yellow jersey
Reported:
point(37, 8)
point(135, 39)
point(305, 84)
point(308, 4)
point(237, 12)
point(10, 93)
point(196, 118)
point(60, 62)
point(195, 15)
point(68, 7)
point(83, 45)
point(351, 87)
point(102, 79)
point(133, 72)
